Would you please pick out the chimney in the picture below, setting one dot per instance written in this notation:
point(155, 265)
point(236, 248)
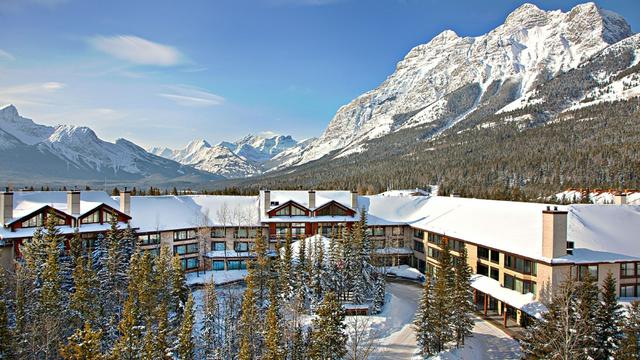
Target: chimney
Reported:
point(6, 206)
point(554, 233)
point(354, 200)
point(73, 202)
point(620, 199)
point(267, 201)
point(125, 201)
point(312, 199)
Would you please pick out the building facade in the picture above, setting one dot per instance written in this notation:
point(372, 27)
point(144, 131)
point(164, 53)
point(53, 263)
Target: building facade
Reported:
point(518, 251)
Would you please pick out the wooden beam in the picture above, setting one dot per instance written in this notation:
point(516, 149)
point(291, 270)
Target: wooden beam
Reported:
point(486, 300)
point(504, 314)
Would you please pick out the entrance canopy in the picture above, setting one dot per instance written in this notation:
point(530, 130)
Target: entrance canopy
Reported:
point(525, 302)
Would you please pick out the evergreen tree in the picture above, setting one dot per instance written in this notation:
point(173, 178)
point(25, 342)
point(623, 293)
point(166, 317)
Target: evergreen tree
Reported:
point(443, 301)
point(83, 299)
point(185, 346)
point(51, 310)
point(128, 346)
point(273, 336)
point(587, 311)
point(84, 344)
point(249, 321)
point(7, 345)
point(178, 288)
point(630, 345)
point(609, 320)
point(285, 269)
point(423, 322)
point(328, 338)
point(261, 268)
point(379, 293)
point(462, 299)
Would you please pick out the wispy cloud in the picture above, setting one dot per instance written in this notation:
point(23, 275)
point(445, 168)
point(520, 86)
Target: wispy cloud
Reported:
point(191, 96)
point(4, 55)
point(137, 50)
point(32, 93)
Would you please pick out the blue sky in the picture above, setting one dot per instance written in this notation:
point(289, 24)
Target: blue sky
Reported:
point(165, 72)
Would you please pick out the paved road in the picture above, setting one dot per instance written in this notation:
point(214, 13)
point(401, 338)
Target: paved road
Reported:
point(487, 342)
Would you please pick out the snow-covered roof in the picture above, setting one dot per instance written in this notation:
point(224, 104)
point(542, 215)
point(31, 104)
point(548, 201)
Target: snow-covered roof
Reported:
point(600, 233)
point(393, 210)
point(159, 213)
point(525, 302)
point(6, 233)
point(406, 192)
point(302, 197)
point(603, 233)
point(514, 227)
point(26, 202)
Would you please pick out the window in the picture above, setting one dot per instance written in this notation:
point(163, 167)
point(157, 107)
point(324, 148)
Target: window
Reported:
point(185, 249)
point(329, 229)
point(570, 245)
point(519, 285)
point(218, 246)
point(628, 270)
point(627, 291)
point(398, 231)
point(241, 246)
point(332, 210)
point(483, 253)
point(435, 239)
point(242, 233)
point(583, 270)
point(375, 231)
point(149, 239)
point(297, 229)
point(184, 235)
point(92, 218)
point(483, 269)
point(417, 233)
point(88, 240)
point(34, 221)
point(418, 246)
point(433, 253)
point(494, 273)
point(495, 256)
point(189, 263)
point(217, 265)
point(236, 265)
point(520, 265)
point(217, 233)
point(153, 252)
point(291, 211)
point(455, 245)
point(108, 217)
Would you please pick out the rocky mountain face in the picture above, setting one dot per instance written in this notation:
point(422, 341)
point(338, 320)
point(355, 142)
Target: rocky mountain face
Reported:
point(454, 79)
point(248, 156)
point(74, 152)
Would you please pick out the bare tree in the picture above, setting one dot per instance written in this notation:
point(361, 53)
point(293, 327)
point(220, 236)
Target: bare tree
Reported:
point(363, 339)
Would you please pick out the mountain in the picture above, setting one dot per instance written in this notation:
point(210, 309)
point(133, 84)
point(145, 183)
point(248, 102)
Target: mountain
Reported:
point(248, 156)
point(452, 79)
point(66, 152)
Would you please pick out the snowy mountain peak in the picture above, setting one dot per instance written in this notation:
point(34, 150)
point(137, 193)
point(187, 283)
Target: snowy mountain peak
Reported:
point(196, 145)
point(442, 82)
point(9, 110)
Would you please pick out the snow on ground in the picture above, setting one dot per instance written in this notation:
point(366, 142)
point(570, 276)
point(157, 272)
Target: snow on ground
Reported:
point(220, 277)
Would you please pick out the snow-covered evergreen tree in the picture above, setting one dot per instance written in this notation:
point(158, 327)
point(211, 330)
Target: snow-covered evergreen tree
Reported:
point(185, 346)
point(84, 344)
point(423, 322)
point(129, 343)
point(210, 333)
point(442, 306)
point(609, 316)
point(462, 299)
point(630, 345)
point(328, 337)
point(274, 347)
point(587, 311)
point(7, 344)
point(379, 292)
point(249, 322)
point(83, 301)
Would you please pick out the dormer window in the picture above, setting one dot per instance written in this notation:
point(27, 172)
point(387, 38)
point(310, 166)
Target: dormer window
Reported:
point(39, 220)
point(290, 211)
point(109, 216)
point(92, 218)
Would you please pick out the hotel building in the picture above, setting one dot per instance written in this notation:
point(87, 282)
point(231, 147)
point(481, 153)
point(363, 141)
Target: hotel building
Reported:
point(518, 251)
